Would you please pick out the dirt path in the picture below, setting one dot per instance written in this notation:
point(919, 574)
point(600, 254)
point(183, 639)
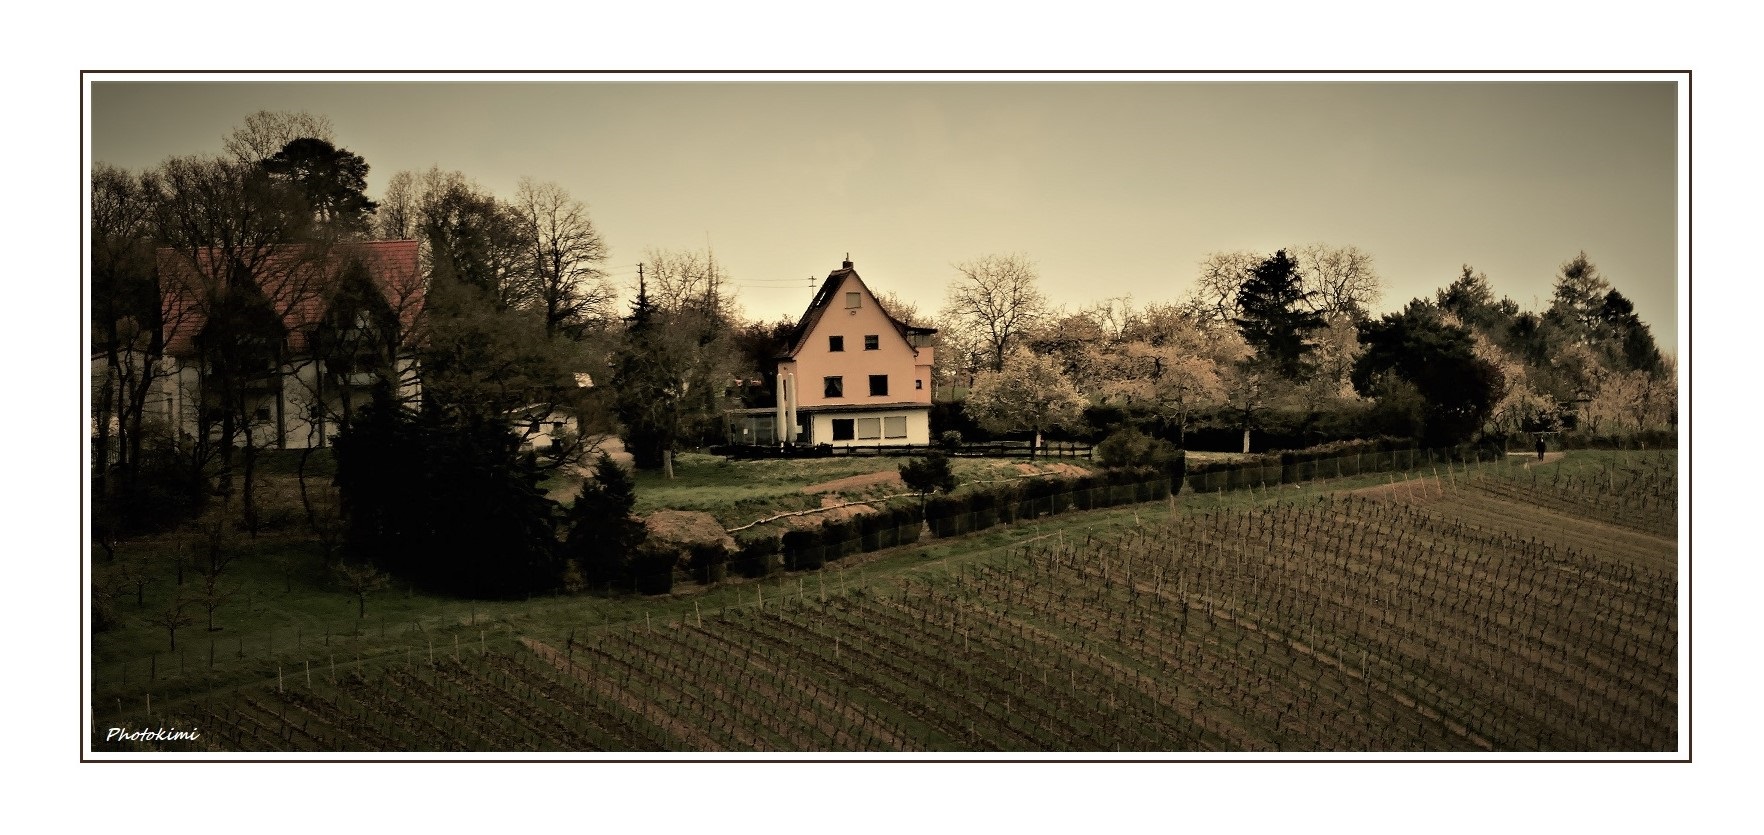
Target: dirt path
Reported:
point(571, 480)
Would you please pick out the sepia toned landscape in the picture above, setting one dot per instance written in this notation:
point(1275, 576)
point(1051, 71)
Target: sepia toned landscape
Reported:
point(888, 421)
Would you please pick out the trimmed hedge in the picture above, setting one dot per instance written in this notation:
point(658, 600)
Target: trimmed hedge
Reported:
point(759, 557)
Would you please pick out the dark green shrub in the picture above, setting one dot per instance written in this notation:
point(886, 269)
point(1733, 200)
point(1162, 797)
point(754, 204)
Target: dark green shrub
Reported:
point(930, 474)
point(602, 534)
point(839, 539)
point(709, 563)
point(653, 570)
point(803, 549)
point(983, 506)
point(446, 500)
point(947, 515)
point(759, 557)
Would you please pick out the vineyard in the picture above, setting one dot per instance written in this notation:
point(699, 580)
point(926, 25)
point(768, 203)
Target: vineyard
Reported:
point(1493, 608)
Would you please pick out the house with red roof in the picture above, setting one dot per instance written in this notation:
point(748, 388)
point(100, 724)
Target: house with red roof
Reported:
point(328, 323)
point(850, 374)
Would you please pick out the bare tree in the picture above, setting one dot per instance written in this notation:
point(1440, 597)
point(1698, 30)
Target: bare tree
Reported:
point(226, 226)
point(360, 581)
point(996, 296)
point(173, 618)
point(1214, 298)
point(266, 132)
point(902, 309)
point(682, 281)
point(213, 593)
point(473, 240)
point(126, 315)
point(400, 214)
point(1339, 279)
point(568, 284)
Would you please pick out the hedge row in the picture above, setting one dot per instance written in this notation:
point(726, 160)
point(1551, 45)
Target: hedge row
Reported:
point(1332, 461)
point(809, 549)
point(1029, 498)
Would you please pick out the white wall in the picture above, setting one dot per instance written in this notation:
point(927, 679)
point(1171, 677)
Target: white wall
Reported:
point(918, 426)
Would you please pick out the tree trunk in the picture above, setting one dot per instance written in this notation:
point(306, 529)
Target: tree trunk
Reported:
point(248, 491)
point(1246, 440)
point(668, 464)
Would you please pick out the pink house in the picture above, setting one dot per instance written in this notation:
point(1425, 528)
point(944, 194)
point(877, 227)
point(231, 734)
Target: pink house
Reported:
point(850, 374)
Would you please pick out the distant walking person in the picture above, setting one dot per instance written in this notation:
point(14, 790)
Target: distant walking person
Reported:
point(1540, 447)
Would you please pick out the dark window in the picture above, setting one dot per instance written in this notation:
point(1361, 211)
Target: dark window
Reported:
point(835, 343)
point(842, 429)
point(262, 415)
point(872, 342)
point(919, 385)
point(878, 385)
point(835, 387)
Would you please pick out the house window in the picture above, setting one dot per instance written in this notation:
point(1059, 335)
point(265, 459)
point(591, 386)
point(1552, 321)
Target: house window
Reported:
point(918, 385)
point(869, 429)
point(878, 385)
point(262, 415)
point(854, 300)
point(835, 343)
point(894, 427)
point(842, 429)
point(872, 342)
point(835, 387)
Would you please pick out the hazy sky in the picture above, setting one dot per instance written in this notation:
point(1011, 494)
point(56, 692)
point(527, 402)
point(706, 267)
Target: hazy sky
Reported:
point(1112, 188)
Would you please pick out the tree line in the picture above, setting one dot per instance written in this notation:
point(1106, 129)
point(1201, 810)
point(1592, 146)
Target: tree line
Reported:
point(515, 320)
point(1287, 342)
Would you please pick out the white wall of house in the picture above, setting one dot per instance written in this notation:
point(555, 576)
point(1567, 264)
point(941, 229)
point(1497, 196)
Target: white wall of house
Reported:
point(539, 433)
point(178, 397)
point(914, 423)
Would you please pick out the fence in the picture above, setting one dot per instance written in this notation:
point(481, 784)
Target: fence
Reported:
point(988, 449)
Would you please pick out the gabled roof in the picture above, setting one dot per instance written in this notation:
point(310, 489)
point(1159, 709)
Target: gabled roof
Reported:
point(299, 282)
point(824, 299)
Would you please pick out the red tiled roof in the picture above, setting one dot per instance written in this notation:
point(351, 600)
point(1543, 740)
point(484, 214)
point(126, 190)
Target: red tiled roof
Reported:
point(298, 281)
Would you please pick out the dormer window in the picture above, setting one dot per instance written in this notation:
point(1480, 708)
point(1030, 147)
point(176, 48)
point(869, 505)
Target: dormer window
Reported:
point(835, 343)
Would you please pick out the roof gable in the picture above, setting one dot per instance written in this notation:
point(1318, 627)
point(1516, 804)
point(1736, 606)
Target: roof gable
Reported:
point(825, 298)
point(298, 281)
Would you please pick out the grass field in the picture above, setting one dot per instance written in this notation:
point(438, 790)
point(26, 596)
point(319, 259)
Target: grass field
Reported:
point(1498, 608)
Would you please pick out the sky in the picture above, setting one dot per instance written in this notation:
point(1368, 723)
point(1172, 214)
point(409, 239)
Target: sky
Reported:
point(1111, 187)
